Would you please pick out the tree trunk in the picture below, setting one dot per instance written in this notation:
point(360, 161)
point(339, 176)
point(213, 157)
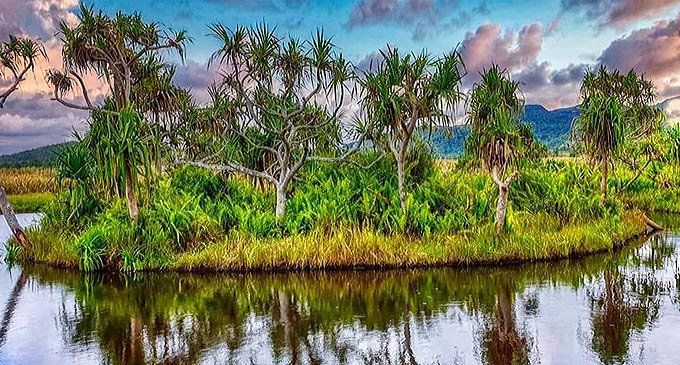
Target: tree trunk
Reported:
point(130, 192)
point(401, 162)
point(502, 204)
point(501, 208)
point(11, 219)
point(280, 200)
point(604, 169)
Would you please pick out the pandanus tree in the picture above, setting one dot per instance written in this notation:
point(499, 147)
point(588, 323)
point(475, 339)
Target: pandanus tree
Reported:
point(126, 53)
point(281, 101)
point(498, 140)
point(616, 110)
point(408, 93)
point(17, 59)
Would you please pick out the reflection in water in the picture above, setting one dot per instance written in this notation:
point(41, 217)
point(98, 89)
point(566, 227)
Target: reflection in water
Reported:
point(502, 315)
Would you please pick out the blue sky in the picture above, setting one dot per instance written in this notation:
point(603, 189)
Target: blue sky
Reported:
point(546, 45)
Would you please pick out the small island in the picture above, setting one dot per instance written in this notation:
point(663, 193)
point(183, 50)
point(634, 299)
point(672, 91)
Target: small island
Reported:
point(303, 161)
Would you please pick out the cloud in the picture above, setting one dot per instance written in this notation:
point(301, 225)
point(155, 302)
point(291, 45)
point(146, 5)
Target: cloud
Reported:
point(488, 44)
point(618, 13)
point(551, 88)
point(31, 119)
point(482, 8)
point(654, 50)
point(196, 77)
point(422, 15)
point(37, 18)
point(518, 53)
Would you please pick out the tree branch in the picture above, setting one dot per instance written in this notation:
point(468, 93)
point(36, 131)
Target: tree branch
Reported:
point(229, 167)
point(18, 78)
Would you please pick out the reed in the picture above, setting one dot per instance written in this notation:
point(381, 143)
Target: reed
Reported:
point(28, 180)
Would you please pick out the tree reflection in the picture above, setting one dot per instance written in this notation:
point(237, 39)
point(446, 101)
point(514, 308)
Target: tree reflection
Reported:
point(502, 343)
point(628, 299)
point(315, 318)
point(11, 305)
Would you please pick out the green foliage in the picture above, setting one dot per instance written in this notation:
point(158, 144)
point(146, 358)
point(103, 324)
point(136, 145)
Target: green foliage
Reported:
point(498, 139)
point(12, 253)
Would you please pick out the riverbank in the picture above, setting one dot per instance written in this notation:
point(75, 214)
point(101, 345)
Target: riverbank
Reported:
point(537, 239)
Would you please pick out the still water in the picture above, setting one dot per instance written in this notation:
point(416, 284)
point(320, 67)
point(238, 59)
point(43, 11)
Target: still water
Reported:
point(621, 307)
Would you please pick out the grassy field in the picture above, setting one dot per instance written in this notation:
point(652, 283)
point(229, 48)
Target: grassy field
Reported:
point(28, 180)
point(29, 188)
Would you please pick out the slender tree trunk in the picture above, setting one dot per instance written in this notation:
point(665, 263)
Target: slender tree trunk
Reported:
point(133, 209)
point(501, 208)
point(401, 176)
point(280, 200)
point(11, 219)
point(604, 169)
point(503, 192)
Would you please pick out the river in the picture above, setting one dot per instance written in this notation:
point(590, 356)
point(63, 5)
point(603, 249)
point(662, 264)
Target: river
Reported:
point(616, 308)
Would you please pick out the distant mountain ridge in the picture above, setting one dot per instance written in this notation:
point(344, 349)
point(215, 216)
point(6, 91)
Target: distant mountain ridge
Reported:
point(42, 156)
point(550, 126)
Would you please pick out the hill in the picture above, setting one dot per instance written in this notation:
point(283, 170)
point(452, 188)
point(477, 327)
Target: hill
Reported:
point(550, 126)
point(41, 156)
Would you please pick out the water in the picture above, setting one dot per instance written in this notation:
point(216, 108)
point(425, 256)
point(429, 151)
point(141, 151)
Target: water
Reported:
point(621, 307)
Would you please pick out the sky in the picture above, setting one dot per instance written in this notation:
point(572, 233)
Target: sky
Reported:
point(545, 45)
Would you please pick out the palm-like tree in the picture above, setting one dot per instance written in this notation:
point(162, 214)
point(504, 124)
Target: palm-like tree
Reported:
point(268, 102)
point(601, 127)
point(614, 108)
point(125, 52)
point(498, 140)
point(17, 58)
point(408, 92)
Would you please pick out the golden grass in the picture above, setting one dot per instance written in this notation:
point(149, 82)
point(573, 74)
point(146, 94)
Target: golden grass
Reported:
point(532, 238)
point(28, 180)
point(538, 238)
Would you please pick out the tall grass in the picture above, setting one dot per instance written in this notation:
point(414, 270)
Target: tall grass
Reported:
point(28, 180)
point(338, 216)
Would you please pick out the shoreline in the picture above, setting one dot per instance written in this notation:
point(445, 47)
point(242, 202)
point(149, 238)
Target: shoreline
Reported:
point(456, 250)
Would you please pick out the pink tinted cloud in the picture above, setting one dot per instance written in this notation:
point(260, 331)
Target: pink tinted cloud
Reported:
point(488, 44)
point(618, 13)
point(654, 50)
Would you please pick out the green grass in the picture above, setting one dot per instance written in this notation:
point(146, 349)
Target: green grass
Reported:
point(538, 237)
point(341, 217)
point(30, 203)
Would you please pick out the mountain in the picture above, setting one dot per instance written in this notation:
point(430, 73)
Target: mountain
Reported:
point(41, 156)
point(550, 126)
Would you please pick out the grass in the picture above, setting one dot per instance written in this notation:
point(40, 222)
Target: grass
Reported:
point(29, 188)
point(341, 217)
point(28, 180)
point(30, 203)
point(538, 237)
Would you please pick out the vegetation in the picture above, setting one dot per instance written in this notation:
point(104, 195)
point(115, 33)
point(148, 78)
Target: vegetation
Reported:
point(274, 173)
point(406, 93)
point(615, 109)
point(18, 56)
point(29, 189)
point(37, 157)
point(269, 103)
point(126, 52)
point(498, 140)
